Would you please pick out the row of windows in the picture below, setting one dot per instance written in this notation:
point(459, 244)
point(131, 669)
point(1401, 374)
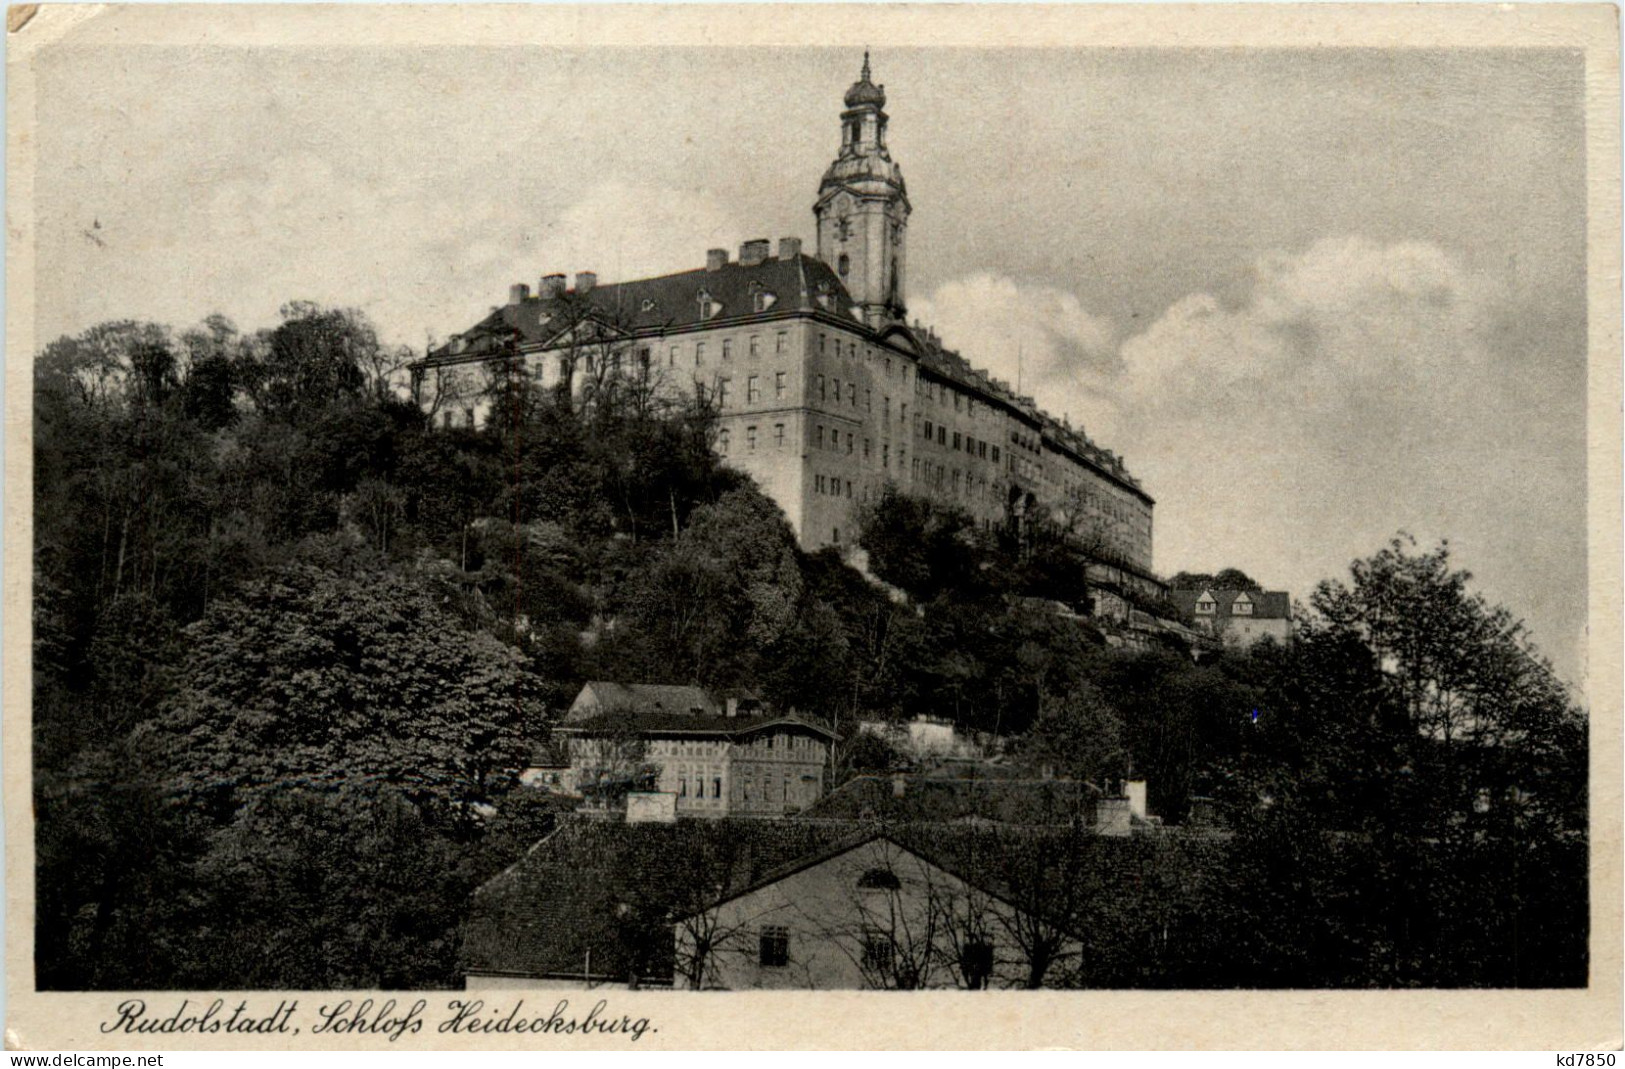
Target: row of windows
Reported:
point(849, 351)
point(941, 392)
point(785, 742)
point(699, 787)
point(831, 485)
point(753, 389)
point(959, 442)
point(725, 439)
point(747, 787)
point(834, 439)
point(773, 952)
point(753, 345)
point(851, 395)
point(1239, 608)
point(760, 301)
point(941, 477)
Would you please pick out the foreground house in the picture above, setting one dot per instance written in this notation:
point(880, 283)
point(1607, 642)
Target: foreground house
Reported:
point(593, 902)
point(829, 904)
point(869, 912)
point(715, 756)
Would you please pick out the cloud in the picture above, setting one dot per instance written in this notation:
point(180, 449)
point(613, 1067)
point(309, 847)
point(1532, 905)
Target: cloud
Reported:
point(417, 257)
point(1353, 389)
point(1347, 314)
point(1061, 353)
point(1359, 388)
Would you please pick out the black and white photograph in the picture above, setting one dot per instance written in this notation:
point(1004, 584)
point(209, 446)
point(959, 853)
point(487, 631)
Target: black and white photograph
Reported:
point(523, 534)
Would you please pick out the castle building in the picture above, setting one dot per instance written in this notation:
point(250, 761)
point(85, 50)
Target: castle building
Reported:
point(824, 392)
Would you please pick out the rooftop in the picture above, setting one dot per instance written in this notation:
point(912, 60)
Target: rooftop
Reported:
point(600, 897)
point(706, 296)
point(1267, 604)
point(655, 722)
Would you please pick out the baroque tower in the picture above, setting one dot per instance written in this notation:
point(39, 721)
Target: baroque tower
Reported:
point(862, 208)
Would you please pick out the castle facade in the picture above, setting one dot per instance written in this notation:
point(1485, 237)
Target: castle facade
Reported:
point(824, 392)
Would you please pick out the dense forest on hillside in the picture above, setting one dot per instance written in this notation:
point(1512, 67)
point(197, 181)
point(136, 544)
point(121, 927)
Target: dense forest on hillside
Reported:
point(292, 642)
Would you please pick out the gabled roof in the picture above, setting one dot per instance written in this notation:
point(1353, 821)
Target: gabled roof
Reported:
point(608, 891)
point(665, 303)
point(641, 697)
point(1267, 605)
point(620, 722)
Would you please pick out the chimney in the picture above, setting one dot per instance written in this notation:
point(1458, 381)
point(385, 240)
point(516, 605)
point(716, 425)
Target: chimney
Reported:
point(585, 281)
point(518, 292)
point(789, 248)
point(716, 259)
point(752, 253)
point(733, 706)
point(1135, 789)
point(552, 286)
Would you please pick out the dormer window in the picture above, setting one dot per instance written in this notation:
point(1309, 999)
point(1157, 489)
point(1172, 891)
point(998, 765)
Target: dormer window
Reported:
point(708, 307)
point(650, 305)
point(764, 300)
point(1206, 605)
point(1243, 606)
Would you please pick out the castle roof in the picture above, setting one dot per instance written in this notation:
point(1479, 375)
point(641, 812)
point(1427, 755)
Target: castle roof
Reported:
point(703, 297)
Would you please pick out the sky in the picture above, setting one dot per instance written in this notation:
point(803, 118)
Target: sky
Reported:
point(1314, 298)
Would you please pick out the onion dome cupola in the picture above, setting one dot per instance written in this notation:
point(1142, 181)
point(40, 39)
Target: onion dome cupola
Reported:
point(864, 91)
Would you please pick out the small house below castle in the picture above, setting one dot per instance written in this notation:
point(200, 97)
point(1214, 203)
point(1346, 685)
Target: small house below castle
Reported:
point(716, 755)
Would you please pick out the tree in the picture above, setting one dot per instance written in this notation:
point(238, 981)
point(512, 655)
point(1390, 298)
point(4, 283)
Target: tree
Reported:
point(705, 932)
point(1235, 579)
point(326, 679)
point(1048, 882)
point(1412, 744)
point(315, 358)
point(921, 547)
point(208, 394)
point(1078, 735)
point(1463, 669)
point(614, 755)
point(1225, 579)
point(719, 594)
